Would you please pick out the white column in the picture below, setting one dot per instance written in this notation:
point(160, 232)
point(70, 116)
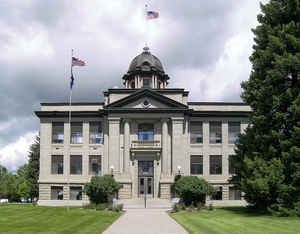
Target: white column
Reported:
point(164, 155)
point(126, 145)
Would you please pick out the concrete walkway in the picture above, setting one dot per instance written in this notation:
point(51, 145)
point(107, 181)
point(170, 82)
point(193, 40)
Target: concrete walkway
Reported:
point(145, 221)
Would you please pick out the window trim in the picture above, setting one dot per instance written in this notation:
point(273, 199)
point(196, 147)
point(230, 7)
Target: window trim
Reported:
point(63, 132)
point(191, 132)
point(210, 165)
point(221, 135)
point(200, 156)
point(101, 138)
point(76, 155)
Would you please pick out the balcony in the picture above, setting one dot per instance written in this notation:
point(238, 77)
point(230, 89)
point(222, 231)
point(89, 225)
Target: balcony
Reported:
point(140, 146)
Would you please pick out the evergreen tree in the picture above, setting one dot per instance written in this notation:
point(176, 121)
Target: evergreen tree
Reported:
point(268, 153)
point(33, 169)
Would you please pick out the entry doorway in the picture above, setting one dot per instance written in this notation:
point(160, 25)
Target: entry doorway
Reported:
point(145, 178)
point(146, 186)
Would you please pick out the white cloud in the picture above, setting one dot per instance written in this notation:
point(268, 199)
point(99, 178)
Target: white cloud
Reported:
point(15, 154)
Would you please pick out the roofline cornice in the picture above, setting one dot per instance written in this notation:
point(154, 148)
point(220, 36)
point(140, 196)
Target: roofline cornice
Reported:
point(62, 114)
point(218, 103)
point(219, 113)
point(72, 104)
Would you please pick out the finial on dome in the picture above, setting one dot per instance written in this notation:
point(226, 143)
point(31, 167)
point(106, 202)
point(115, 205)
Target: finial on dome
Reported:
point(146, 48)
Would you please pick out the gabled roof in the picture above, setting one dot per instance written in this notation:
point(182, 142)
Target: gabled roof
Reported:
point(146, 93)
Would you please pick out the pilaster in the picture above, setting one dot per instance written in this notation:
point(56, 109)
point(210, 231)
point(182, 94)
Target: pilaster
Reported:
point(225, 147)
point(126, 159)
point(205, 127)
point(114, 143)
point(177, 149)
point(164, 156)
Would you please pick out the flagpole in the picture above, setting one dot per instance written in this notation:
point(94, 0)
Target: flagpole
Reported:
point(147, 25)
point(69, 143)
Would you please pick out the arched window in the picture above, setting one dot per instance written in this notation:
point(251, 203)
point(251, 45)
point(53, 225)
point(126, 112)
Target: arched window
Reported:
point(146, 132)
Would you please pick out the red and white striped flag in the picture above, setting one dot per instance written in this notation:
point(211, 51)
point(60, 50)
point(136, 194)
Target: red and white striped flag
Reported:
point(77, 62)
point(152, 14)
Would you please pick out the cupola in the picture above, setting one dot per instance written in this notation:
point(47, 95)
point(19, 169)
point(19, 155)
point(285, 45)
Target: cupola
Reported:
point(145, 71)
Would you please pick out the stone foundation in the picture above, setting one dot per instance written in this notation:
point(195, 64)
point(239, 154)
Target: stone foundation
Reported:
point(126, 191)
point(165, 191)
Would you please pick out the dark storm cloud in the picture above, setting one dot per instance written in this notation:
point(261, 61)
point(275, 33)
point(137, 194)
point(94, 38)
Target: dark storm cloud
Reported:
point(194, 36)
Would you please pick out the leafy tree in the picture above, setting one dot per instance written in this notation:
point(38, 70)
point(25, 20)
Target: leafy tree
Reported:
point(8, 187)
point(101, 188)
point(193, 189)
point(24, 190)
point(33, 168)
point(3, 171)
point(268, 154)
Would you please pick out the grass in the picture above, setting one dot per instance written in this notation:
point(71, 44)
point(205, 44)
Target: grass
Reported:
point(35, 219)
point(236, 220)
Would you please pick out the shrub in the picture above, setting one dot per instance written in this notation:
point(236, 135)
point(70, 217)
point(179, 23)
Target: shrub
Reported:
point(117, 208)
point(101, 188)
point(193, 190)
point(101, 206)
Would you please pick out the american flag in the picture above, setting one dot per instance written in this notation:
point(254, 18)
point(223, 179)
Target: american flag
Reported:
point(77, 62)
point(152, 14)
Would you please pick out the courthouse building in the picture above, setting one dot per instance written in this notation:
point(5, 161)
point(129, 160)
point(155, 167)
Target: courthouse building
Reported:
point(143, 134)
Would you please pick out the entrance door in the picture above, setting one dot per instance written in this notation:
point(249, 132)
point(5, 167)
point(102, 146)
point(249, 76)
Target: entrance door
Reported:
point(146, 186)
point(145, 179)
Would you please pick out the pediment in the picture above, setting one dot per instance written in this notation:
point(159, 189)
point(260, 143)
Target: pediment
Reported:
point(146, 98)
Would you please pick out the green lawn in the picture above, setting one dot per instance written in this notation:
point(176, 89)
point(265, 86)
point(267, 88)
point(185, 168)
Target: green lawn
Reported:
point(235, 220)
point(35, 219)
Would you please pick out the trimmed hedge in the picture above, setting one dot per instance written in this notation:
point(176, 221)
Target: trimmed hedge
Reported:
point(193, 190)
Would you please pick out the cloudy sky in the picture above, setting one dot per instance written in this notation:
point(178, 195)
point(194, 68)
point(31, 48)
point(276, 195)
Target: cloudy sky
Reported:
point(204, 47)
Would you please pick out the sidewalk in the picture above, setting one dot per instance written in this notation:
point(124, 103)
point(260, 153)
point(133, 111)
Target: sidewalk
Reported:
point(145, 221)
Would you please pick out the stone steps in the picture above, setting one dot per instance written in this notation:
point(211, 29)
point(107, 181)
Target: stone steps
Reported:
point(150, 203)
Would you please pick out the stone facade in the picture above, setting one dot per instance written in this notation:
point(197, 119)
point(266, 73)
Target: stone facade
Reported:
point(145, 159)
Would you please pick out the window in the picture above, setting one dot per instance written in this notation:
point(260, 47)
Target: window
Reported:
point(146, 132)
point(231, 169)
point(215, 132)
point(234, 194)
point(215, 164)
point(196, 133)
point(57, 133)
point(218, 194)
point(158, 84)
point(76, 133)
point(57, 193)
point(196, 165)
point(57, 164)
point(75, 193)
point(147, 82)
point(234, 129)
point(94, 164)
point(76, 164)
point(96, 133)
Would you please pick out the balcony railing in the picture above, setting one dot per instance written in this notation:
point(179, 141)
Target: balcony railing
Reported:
point(145, 145)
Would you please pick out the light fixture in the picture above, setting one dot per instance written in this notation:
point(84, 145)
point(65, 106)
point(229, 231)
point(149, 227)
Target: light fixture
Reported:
point(112, 169)
point(179, 168)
